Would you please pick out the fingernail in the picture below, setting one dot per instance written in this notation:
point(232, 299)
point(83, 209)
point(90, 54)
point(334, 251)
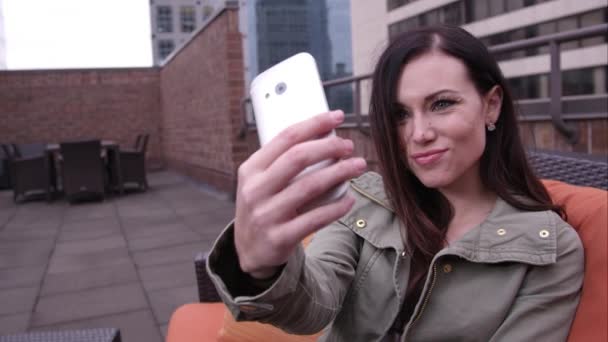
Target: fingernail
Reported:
point(348, 145)
point(360, 164)
point(337, 115)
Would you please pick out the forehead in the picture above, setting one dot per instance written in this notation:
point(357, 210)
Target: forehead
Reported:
point(430, 72)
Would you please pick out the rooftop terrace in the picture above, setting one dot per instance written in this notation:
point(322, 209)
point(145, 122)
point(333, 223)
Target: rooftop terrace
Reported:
point(126, 262)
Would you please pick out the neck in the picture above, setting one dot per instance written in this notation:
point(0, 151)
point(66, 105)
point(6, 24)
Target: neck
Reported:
point(471, 201)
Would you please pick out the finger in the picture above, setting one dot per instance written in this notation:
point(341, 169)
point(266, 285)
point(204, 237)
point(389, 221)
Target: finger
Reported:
point(286, 203)
point(312, 128)
point(299, 157)
point(313, 220)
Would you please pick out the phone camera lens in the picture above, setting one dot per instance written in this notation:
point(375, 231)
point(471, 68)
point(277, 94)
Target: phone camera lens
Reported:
point(280, 88)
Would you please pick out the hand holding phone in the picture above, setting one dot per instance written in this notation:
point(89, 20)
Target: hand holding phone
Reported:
point(288, 93)
point(294, 168)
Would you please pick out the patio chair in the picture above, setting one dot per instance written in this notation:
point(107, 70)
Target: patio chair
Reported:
point(133, 163)
point(29, 174)
point(82, 169)
point(5, 180)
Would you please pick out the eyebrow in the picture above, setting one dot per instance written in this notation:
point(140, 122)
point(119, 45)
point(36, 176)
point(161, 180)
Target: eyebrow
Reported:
point(430, 96)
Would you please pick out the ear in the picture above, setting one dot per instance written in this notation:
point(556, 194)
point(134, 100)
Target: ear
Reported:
point(493, 102)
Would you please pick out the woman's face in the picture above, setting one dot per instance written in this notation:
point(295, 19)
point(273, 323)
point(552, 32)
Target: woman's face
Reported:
point(444, 120)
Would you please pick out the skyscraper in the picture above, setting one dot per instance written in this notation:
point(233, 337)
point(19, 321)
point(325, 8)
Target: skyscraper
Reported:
point(276, 29)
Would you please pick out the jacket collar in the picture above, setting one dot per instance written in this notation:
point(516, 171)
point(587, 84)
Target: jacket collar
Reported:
point(506, 235)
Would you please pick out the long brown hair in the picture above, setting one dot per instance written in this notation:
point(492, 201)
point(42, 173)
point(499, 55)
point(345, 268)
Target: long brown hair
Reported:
point(504, 169)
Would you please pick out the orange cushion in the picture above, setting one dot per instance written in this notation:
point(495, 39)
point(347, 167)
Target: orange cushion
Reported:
point(587, 212)
point(233, 331)
point(198, 322)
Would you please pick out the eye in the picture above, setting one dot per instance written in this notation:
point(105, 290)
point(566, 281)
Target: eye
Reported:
point(442, 104)
point(402, 114)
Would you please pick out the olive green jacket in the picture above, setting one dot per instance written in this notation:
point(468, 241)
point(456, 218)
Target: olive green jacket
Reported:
point(515, 277)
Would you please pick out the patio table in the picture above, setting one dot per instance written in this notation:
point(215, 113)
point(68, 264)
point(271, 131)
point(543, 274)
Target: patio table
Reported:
point(83, 335)
point(111, 147)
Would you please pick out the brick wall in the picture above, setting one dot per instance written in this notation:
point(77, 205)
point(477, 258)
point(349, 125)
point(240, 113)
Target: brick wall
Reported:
point(201, 89)
point(60, 105)
point(593, 136)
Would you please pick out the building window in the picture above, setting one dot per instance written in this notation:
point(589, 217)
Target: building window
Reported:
point(165, 47)
point(207, 11)
point(549, 27)
point(578, 82)
point(392, 4)
point(164, 19)
point(187, 18)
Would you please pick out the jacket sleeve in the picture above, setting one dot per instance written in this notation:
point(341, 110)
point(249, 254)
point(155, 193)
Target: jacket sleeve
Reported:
point(308, 293)
point(545, 305)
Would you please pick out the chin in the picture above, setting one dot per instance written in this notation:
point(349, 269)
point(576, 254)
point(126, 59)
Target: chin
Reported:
point(434, 181)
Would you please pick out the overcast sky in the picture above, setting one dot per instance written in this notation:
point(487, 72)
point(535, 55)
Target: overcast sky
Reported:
point(59, 34)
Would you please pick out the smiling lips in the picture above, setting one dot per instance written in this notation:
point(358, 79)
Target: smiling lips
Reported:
point(428, 157)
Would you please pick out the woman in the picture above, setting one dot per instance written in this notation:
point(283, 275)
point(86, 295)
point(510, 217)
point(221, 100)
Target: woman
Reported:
point(457, 241)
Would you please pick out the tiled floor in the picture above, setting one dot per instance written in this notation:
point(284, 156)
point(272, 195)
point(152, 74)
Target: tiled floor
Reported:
point(126, 262)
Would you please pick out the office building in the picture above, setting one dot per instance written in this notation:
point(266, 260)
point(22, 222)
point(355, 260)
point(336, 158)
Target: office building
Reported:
point(584, 62)
point(174, 21)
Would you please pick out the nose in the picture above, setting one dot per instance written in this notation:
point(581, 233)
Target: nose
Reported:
point(421, 130)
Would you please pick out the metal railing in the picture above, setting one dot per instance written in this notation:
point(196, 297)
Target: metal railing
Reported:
point(555, 79)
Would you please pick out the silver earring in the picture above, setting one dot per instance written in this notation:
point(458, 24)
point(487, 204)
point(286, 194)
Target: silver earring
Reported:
point(491, 127)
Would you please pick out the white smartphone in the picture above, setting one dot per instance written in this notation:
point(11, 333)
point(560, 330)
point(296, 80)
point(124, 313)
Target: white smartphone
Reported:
point(285, 94)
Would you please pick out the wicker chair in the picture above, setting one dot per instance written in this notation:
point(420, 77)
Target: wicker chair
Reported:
point(133, 163)
point(31, 173)
point(5, 179)
point(82, 169)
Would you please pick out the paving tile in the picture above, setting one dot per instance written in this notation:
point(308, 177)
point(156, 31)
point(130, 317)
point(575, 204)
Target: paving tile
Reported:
point(168, 276)
point(66, 236)
point(135, 326)
point(90, 246)
point(137, 231)
point(163, 330)
point(17, 257)
point(21, 276)
point(45, 245)
point(165, 301)
point(83, 262)
point(147, 211)
point(169, 255)
point(106, 223)
point(89, 211)
point(88, 304)
point(28, 233)
point(12, 324)
point(20, 300)
point(162, 240)
point(144, 222)
point(6, 214)
point(16, 226)
point(93, 278)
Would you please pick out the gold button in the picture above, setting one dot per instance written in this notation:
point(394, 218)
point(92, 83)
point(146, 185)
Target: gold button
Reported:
point(447, 268)
point(361, 223)
point(501, 232)
point(544, 233)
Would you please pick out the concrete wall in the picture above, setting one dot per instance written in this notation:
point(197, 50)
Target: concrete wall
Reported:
point(60, 105)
